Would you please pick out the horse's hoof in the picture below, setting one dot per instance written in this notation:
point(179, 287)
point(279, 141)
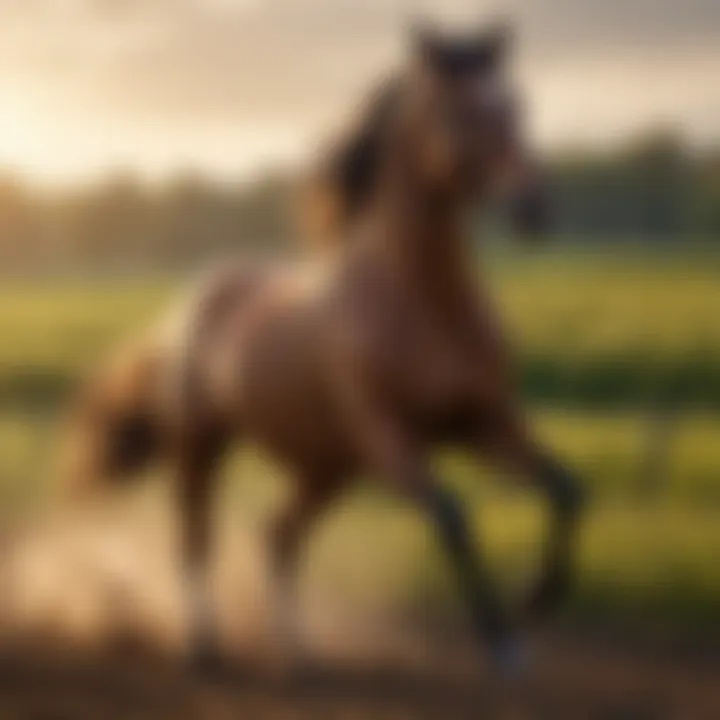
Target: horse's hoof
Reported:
point(509, 657)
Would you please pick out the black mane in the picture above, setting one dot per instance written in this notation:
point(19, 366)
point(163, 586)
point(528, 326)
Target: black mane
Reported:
point(350, 171)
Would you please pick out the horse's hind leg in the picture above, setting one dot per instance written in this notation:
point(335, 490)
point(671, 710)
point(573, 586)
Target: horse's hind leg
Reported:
point(289, 530)
point(196, 476)
point(504, 439)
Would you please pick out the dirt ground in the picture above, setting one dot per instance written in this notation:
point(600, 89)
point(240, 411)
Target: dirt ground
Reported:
point(573, 680)
point(91, 627)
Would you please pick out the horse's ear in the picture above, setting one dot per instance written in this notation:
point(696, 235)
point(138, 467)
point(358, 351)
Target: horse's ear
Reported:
point(497, 40)
point(425, 42)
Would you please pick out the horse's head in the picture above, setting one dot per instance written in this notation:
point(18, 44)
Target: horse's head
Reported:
point(461, 123)
point(452, 121)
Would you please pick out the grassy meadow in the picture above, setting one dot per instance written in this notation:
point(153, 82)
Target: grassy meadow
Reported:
point(602, 339)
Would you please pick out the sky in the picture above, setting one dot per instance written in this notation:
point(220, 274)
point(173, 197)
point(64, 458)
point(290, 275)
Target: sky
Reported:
point(229, 87)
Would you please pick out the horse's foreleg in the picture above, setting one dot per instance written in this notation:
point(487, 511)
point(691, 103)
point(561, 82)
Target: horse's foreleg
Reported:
point(490, 620)
point(196, 480)
point(392, 453)
point(506, 442)
point(288, 532)
point(557, 569)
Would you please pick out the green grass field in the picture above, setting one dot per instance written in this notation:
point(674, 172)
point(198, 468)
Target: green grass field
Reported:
point(599, 339)
point(590, 329)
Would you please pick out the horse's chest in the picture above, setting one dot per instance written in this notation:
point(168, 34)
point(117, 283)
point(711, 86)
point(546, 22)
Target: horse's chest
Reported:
point(433, 372)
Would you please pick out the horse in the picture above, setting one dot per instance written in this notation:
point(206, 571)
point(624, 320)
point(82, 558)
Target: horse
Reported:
point(359, 360)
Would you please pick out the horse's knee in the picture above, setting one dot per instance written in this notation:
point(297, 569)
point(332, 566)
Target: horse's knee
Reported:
point(281, 535)
point(447, 514)
point(566, 492)
point(285, 535)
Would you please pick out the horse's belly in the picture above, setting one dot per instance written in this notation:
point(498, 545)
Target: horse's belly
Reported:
point(442, 416)
point(433, 381)
point(444, 393)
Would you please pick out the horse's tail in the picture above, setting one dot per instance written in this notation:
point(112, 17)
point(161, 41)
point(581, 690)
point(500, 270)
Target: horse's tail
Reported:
point(134, 413)
point(117, 426)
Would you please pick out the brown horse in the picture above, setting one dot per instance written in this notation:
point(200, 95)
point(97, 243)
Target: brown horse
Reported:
point(363, 359)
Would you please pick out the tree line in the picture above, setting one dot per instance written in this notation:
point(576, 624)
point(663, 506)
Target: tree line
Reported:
point(654, 188)
point(123, 221)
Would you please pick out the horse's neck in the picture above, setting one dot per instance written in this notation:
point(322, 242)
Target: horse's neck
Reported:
point(421, 242)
